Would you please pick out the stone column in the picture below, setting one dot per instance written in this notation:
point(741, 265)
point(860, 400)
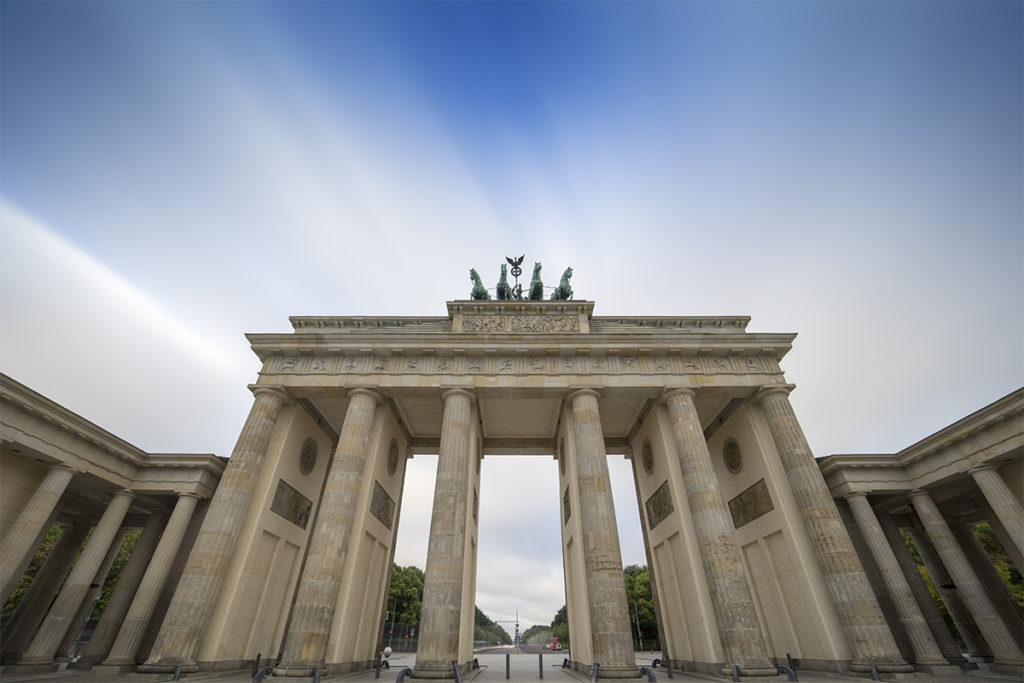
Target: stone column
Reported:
point(442, 584)
point(200, 583)
point(858, 610)
point(122, 653)
point(106, 630)
point(743, 640)
point(602, 558)
point(926, 650)
point(58, 619)
point(1001, 597)
point(65, 650)
point(1004, 504)
point(973, 641)
point(313, 612)
point(1005, 649)
point(24, 536)
point(26, 619)
point(923, 598)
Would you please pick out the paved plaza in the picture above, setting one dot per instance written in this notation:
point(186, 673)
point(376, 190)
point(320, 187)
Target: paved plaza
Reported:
point(522, 668)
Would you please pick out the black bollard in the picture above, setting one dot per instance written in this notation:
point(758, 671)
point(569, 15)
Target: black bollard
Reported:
point(540, 664)
point(458, 671)
point(593, 672)
point(735, 673)
point(506, 666)
point(177, 673)
point(256, 666)
point(316, 674)
point(874, 673)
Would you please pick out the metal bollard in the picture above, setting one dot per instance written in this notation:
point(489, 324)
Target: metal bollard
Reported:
point(540, 664)
point(316, 674)
point(402, 674)
point(506, 666)
point(668, 665)
point(789, 672)
point(565, 663)
point(376, 669)
point(593, 672)
point(177, 673)
point(874, 673)
point(735, 672)
point(789, 662)
point(457, 670)
point(647, 672)
point(256, 666)
point(261, 673)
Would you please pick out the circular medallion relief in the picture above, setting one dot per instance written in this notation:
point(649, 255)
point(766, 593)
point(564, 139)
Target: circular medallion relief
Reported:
point(733, 457)
point(647, 457)
point(393, 458)
point(307, 456)
point(561, 456)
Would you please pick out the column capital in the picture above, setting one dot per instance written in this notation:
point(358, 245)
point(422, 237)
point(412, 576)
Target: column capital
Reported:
point(189, 494)
point(574, 392)
point(917, 493)
point(456, 391)
point(772, 389)
point(368, 391)
point(260, 389)
point(64, 466)
point(669, 392)
point(980, 468)
point(850, 495)
point(123, 492)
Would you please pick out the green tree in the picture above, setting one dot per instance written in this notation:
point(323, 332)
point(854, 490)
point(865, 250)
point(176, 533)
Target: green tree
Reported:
point(560, 626)
point(537, 635)
point(406, 595)
point(49, 541)
point(1001, 559)
point(641, 603)
point(485, 629)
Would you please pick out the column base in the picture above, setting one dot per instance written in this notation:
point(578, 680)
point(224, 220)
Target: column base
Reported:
point(297, 670)
point(751, 670)
point(1007, 666)
point(167, 667)
point(899, 667)
point(938, 669)
point(30, 668)
point(618, 672)
point(113, 669)
point(439, 670)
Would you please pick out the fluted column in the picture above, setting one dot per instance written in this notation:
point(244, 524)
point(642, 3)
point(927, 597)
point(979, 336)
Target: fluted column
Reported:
point(958, 612)
point(32, 609)
point(1005, 649)
point(862, 619)
point(122, 653)
point(995, 587)
point(313, 613)
point(1004, 504)
point(442, 584)
point(65, 650)
point(200, 583)
point(740, 631)
point(121, 599)
point(923, 598)
point(58, 619)
point(926, 650)
point(22, 539)
point(602, 556)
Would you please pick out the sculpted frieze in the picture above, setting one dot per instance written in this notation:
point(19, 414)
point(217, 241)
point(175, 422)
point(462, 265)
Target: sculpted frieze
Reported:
point(521, 324)
point(611, 364)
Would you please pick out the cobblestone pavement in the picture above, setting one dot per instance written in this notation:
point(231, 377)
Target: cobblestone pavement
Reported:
point(523, 668)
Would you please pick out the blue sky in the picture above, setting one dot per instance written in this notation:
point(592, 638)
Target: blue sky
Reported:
point(176, 174)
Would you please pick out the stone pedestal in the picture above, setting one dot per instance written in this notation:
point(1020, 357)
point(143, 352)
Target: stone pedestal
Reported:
point(122, 653)
point(200, 583)
point(1006, 651)
point(926, 650)
point(743, 642)
point(861, 617)
point(602, 558)
point(26, 533)
point(313, 613)
point(442, 585)
point(61, 615)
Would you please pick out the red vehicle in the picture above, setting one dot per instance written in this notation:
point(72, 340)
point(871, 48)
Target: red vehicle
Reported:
point(556, 644)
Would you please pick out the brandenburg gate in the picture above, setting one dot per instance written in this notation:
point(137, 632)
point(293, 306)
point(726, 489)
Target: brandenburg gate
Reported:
point(756, 552)
point(749, 556)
